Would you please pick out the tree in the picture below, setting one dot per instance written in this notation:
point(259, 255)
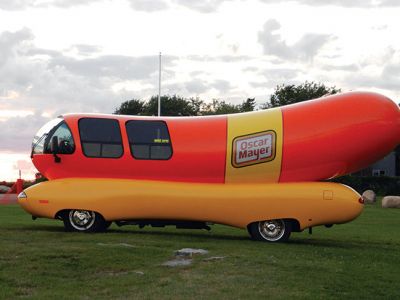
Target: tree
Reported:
point(179, 106)
point(248, 105)
point(173, 106)
point(289, 94)
point(170, 106)
point(131, 107)
point(219, 108)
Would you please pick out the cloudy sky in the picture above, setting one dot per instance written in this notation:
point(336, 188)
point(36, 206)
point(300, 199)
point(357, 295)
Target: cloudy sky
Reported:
point(61, 56)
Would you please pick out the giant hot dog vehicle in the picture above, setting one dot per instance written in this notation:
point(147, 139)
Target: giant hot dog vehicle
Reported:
point(262, 170)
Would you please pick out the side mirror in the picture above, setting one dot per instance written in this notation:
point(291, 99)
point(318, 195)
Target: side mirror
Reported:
point(54, 149)
point(54, 145)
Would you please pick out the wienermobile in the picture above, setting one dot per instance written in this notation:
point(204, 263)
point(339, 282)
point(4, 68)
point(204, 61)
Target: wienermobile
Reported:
point(262, 170)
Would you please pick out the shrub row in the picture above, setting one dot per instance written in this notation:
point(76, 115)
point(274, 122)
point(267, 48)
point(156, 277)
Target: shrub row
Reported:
point(380, 185)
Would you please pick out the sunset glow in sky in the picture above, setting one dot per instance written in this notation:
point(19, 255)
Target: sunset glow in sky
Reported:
point(63, 56)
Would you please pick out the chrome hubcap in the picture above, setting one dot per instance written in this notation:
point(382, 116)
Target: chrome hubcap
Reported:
point(81, 219)
point(271, 230)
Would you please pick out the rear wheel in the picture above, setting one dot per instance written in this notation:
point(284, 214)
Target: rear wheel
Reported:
point(84, 221)
point(277, 230)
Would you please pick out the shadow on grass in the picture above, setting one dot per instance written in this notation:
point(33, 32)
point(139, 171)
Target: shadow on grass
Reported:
point(179, 233)
point(345, 244)
point(301, 241)
point(328, 243)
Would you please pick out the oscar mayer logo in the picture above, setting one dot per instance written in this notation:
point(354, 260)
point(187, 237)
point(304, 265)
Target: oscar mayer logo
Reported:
point(253, 149)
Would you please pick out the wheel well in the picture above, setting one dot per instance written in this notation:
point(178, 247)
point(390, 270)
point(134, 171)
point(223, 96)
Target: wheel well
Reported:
point(293, 222)
point(60, 214)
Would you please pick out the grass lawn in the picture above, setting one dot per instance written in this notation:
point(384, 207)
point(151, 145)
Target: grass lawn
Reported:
point(359, 260)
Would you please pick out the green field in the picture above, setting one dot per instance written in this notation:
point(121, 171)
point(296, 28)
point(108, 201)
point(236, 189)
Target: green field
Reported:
point(359, 260)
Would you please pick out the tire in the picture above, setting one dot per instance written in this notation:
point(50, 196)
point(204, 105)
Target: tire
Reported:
point(83, 221)
point(271, 231)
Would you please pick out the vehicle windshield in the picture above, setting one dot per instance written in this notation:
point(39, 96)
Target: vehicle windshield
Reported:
point(56, 127)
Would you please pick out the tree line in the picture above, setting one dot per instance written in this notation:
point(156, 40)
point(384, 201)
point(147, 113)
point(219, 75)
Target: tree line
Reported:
point(179, 106)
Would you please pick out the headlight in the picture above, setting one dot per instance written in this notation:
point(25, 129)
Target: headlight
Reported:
point(22, 195)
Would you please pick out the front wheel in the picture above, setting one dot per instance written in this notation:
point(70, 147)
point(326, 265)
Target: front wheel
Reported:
point(270, 230)
point(83, 221)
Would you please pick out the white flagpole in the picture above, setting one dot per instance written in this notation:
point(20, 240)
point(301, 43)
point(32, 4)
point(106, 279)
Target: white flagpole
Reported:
point(159, 87)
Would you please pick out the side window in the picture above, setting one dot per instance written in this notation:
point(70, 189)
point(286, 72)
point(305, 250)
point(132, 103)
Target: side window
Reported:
point(66, 143)
point(65, 140)
point(149, 139)
point(100, 137)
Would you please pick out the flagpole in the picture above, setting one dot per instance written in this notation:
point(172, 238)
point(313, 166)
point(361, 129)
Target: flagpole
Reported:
point(159, 86)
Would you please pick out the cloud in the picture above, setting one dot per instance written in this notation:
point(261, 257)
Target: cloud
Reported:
point(25, 166)
point(388, 79)
point(204, 6)
point(45, 78)
point(148, 5)
point(348, 68)
point(223, 86)
point(274, 76)
point(218, 58)
point(342, 3)
point(15, 69)
point(24, 4)
point(17, 132)
point(10, 42)
point(116, 66)
point(86, 50)
point(65, 3)
point(196, 86)
point(14, 5)
point(306, 48)
point(47, 81)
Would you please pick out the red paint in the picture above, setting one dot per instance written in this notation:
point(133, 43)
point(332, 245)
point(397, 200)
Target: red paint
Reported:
point(337, 135)
point(199, 149)
point(44, 201)
point(19, 186)
point(322, 138)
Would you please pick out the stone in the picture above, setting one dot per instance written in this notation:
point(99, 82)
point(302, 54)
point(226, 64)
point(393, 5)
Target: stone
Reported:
point(139, 272)
point(183, 257)
point(369, 196)
point(177, 262)
point(190, 252)
point(214, 258)
point(391, 202)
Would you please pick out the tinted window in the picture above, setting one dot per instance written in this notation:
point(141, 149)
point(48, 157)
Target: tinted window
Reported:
point(101, 137)
point(66, 143)
point(56, 127)
point(149, 139)
point(38, 144)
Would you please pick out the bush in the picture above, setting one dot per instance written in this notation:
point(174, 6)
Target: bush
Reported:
point(380, 185)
